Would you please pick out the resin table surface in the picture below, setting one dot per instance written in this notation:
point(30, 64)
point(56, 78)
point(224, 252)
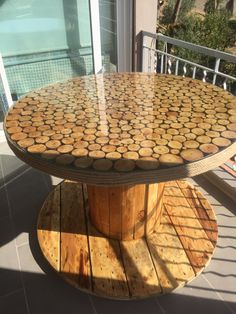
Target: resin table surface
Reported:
point(124, 128)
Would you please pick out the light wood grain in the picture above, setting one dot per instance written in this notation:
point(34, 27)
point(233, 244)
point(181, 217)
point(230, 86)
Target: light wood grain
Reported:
point(169, 257)
point(125, 212)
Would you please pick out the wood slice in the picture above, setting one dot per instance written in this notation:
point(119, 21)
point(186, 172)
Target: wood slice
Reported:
point(96, 154)
point(50, 154)
point(18, 136)
point(191, 144)
point(102, 164)
point(83, 163)
point(175, 144)
point(65, 159)
point(27, 142)
point(231, 126)
point(80, 152)
point(209, 148)
point(191, 154)
point(221, 142)
point(170, 160)
point(36, 149)
point(229, 134)
point(124, 165)
point(147, 163)
point(145, 152)
point(113, 155)
point(64, 149)
point(53, 144)
point(42, 139)
point(203, 139)
point(131, 155)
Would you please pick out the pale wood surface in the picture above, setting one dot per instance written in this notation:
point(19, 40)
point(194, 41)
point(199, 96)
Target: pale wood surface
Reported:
point(175, 253)
point(126, 127)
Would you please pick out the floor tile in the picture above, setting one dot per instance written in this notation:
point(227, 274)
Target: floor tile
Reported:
point(12, 167)
point(4, 209)
point(27, 194)
point(13, 304)
point(105, 306)
point(28, 264)
point(9, 267)
point(49, 294)
point(10, 281)
point(196, 297)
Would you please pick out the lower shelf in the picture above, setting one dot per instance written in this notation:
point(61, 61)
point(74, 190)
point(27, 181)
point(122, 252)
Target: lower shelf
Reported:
point(170, 257)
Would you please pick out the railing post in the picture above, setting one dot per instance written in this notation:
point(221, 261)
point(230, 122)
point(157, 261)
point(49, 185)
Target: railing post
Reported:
point(6, 88)
point(216, 69)
point(142, 50)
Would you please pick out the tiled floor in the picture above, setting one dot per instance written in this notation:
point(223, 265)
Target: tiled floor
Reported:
point(29, 286)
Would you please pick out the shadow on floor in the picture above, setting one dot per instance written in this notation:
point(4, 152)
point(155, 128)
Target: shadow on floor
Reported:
point(43, 291)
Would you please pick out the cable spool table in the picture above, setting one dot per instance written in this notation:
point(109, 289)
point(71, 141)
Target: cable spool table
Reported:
point(120, 225)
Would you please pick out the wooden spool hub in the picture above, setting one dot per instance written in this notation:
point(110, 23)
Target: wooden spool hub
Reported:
point(126, 212)
point(177, 250)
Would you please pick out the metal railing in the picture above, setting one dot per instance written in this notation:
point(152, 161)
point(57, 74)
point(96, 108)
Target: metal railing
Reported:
point(5, 98)
point(159, 56)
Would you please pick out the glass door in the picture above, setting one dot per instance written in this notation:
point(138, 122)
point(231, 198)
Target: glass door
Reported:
point(44, 41)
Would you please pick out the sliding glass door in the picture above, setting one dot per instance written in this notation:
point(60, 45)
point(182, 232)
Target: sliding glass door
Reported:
point(45, 41)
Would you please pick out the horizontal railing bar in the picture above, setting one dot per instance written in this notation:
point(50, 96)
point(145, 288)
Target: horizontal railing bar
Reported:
point(193, 63)
point(196, 48)
point(51, 58)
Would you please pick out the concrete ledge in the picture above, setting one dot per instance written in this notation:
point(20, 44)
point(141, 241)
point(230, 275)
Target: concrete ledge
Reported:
point(223, 181)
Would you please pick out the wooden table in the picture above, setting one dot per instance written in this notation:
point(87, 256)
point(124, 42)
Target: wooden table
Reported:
point(116, 229)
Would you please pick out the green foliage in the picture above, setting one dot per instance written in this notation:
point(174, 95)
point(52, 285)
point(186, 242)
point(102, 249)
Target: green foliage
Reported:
point(213, 31)
point(186, 7)
point(212, 5)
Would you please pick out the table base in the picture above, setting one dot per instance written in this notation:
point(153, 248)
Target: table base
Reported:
point(175, 253)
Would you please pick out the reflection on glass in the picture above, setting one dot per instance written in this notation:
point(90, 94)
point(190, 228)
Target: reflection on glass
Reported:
point(44, 41)
point(108, 24)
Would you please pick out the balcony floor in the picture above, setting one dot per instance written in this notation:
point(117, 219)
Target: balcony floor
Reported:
point(29, 286)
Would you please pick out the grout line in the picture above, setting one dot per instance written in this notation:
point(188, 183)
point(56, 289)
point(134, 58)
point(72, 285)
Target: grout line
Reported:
point(10, 293)
point(17, 176)
point(22, 281)
point(160, 306)
point(219, 295)
point(5, 189)
point(16, 249)
point(22, 244)
point(92, 304)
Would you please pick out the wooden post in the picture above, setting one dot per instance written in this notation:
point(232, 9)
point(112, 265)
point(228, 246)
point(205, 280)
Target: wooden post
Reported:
point(126, 212)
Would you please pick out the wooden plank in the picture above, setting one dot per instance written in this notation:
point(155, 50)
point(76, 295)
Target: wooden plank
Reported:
point(160, 207)
point(75, 264)
point(139, 209)
point(48, 228)
point(195, 201)
point(171, 262)
point(140, 271)
point(152, 207)
point(210, 212)
point(195, 241)
point(108, 275)
point(116, 198)
point(98, 197)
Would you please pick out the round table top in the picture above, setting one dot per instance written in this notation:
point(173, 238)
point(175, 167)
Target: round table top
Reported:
point(124, 128)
